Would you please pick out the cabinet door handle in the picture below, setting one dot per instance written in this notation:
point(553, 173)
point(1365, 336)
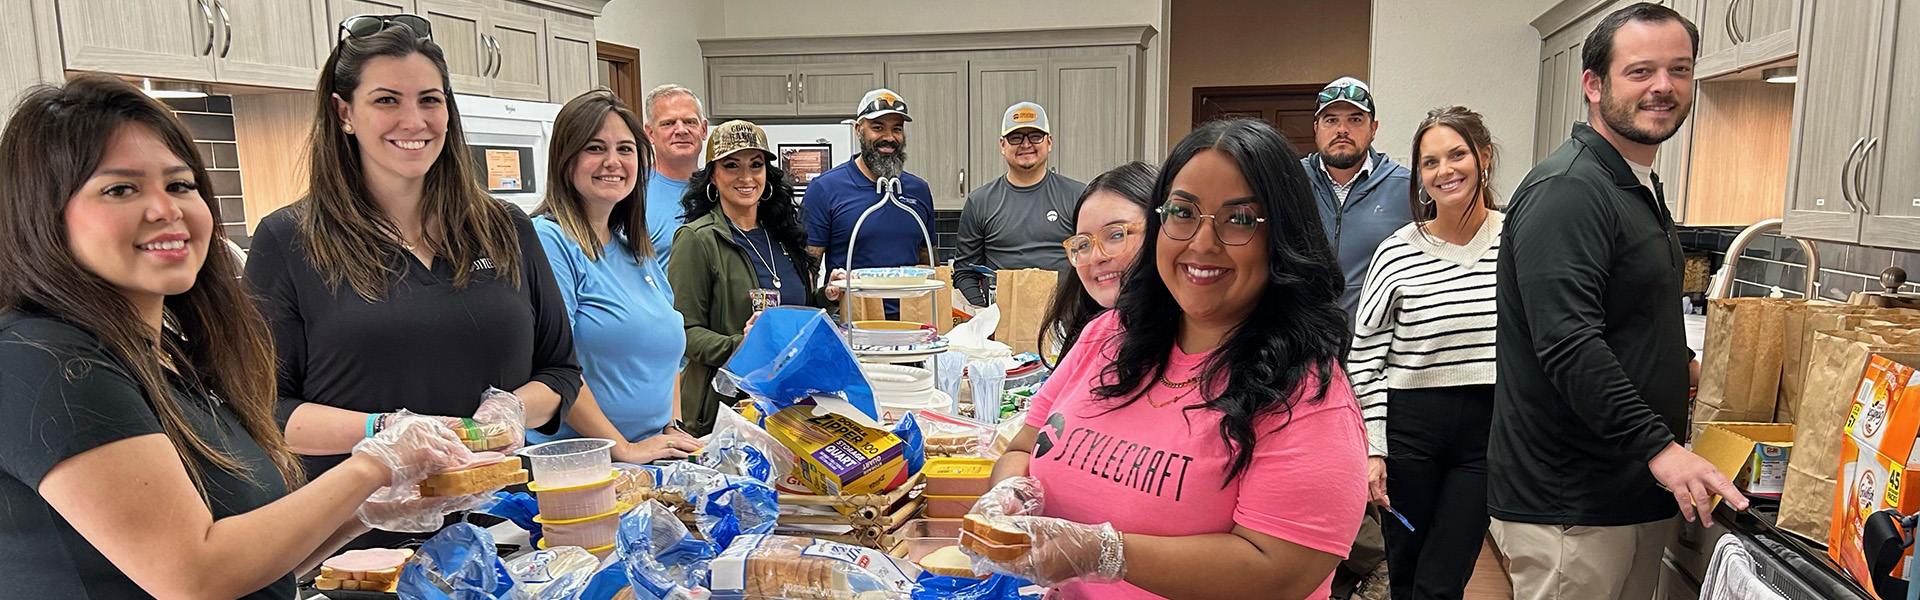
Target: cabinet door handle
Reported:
point(1860, 176)
point(803, 89)
point(226, 22)
point(499, 56)
point(486, 56)
point(1727, 23)
point(207, 13)
point(789, 88)
point(1846, 175)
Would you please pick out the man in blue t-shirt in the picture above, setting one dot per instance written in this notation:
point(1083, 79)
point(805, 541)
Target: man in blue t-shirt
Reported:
point(678, 133)
point(891, 237)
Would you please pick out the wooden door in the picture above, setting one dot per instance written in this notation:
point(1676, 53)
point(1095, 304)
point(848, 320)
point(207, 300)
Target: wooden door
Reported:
point(571, 60)
point(1092, 115)
point(520, 48)
point(1288, 108)
point(459, 27)
point(936, 92)
point(1890, 180)
point(993, 85)
point(273, 43)
point(172, 39)
point(835, 89)
point(1833, 107)
point(745, 91)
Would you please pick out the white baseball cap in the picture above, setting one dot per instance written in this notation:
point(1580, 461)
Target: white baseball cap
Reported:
point(879, 102)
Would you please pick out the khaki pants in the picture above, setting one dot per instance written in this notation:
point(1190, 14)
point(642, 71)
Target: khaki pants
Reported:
point(1548, 562)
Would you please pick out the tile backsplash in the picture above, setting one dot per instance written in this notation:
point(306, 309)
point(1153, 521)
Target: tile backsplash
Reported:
point(1772, 261)
point(210, 121)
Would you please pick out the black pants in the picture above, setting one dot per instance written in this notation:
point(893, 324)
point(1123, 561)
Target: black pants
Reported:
point(1437, 479)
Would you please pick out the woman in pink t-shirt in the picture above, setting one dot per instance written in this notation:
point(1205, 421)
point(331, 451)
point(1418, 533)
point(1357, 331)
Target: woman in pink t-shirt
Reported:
point(1201, 440)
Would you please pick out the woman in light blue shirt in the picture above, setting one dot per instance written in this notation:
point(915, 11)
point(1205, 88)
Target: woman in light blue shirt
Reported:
point(627, 336)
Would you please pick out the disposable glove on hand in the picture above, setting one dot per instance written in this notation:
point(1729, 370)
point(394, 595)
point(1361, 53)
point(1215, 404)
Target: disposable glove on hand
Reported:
point(1063, 551)
point(1013, 496)
point(502, 409)
point(412, 447)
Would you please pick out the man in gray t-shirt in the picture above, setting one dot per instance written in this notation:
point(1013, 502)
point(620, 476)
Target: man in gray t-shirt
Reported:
point(1018, 220)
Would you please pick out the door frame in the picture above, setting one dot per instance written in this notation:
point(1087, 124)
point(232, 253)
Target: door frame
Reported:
point(1232, 91)
point(624, 77)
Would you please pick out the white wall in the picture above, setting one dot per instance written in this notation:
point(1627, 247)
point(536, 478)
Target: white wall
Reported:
point(1480, 54)
point(667, 33)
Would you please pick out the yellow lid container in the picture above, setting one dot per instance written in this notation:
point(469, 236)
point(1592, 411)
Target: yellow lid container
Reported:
point(958, 476)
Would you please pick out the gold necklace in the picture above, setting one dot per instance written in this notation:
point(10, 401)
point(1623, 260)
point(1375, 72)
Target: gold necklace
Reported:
point(1175, 385)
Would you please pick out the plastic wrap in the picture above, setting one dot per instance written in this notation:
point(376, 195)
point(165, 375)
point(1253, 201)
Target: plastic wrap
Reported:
point(778, 567)
point(519, 508)
point(741, 506)
point(458, 564)
point(739, 447)
point(657, 556)
point(948, 435)
point(552, 574)
point(500, 410)
point(915, 443)
point(1061, 551)
point(793, 353)
point(997, 587)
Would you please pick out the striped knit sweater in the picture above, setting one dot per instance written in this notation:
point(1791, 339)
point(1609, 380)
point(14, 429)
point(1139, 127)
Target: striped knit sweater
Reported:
point(1425, 319)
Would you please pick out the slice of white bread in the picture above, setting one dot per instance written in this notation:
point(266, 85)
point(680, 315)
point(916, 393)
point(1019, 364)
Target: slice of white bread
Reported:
point(948, 561)
point(476, 480)
point(1005, 536)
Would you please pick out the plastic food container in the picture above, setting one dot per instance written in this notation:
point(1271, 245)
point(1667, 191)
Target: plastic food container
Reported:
point(930, 528)
point(958, 476)
point(577, 502)
point(569, 463)
point(891, 275)
point(591, 532)
point(949, 507)
point(600, 553)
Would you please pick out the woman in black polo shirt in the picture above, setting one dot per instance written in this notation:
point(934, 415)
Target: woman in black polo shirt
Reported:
point(138, 452)
point(398, 283)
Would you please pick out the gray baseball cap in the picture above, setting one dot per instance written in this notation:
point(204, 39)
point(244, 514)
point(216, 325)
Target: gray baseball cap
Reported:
point(1025, 115)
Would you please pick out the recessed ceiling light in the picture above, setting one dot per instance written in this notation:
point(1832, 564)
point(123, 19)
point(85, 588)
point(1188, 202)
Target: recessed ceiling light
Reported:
point(1781, 75)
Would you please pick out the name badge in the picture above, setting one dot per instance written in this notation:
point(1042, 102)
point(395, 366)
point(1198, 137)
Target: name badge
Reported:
point(763, 298)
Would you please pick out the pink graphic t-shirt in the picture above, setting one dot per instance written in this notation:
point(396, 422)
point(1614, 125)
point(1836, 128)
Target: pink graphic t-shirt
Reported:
point(1158, 470)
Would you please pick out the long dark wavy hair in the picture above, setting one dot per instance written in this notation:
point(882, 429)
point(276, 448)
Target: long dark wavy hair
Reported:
point(1295, 330)
point(573, 130)
point(52, 145)
point(346, 236)
point(778, 213)
point(1072, 308)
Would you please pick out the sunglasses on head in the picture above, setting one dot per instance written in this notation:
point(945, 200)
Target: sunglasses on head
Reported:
point(1346, 92)
point(363, 26)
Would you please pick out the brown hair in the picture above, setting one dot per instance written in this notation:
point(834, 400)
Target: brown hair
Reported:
point(346, 235)
point(573, 129)
point(1072, 308)
point(51, 148)
point(1471, 128)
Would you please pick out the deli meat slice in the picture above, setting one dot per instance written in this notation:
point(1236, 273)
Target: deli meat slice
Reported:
point(362, 561)
point(481, 459)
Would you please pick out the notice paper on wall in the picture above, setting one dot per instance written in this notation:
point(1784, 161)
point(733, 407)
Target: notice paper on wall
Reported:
point(503, 170)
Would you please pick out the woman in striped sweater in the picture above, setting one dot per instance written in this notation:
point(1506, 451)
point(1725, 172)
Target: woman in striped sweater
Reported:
point(1423, 343)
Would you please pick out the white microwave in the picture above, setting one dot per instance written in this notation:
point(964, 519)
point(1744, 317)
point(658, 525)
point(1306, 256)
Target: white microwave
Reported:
point(508, 139)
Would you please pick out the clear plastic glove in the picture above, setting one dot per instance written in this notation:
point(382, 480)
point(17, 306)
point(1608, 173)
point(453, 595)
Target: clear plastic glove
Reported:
point(409, 512)
point(502, 409)
point(1013, 496)
point(413, 447)
point(1063, 551)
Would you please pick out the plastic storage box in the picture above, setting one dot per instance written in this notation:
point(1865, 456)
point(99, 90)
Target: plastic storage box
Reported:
point(577, 502)
point(569, 463)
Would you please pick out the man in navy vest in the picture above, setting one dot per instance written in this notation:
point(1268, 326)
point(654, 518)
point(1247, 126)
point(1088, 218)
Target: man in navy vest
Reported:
point(1362, 194)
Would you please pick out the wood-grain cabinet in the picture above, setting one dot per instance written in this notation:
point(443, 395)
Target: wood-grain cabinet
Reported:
point(1856, 136)
point(1741, 34)
point(538, 50)
point(32, 48)
point(957, 98)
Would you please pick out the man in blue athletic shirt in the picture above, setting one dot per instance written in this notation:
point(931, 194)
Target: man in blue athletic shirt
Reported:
point(891, 237)
point(678, 132)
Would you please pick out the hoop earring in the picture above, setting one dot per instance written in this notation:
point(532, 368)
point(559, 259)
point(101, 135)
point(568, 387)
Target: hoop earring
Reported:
point(1425, 200)
point(713, 193)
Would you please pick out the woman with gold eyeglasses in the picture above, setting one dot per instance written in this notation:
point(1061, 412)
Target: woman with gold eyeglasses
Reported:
point(1109, 216)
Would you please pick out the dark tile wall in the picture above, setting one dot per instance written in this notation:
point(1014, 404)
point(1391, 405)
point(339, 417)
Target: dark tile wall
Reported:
point(946, 232)
point(210, 120)
point(1778, 261)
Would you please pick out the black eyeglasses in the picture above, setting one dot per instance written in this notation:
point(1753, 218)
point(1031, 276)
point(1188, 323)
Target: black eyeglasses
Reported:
point(361, 26)
point(1035, 137)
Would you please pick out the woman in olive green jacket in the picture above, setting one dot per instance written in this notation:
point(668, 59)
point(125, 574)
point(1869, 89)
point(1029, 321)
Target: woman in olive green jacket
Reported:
point(742, 249)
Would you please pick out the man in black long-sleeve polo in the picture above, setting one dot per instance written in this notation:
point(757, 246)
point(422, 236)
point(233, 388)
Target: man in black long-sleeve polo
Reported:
point(1592, 360)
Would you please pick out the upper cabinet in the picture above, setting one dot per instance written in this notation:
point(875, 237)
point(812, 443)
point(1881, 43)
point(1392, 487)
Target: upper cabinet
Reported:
point(1888, 183)
point(1739, 34)
point(789, 90)
point(1835, 106)
point(958, 87)
point(33, 50)
point(502, 48)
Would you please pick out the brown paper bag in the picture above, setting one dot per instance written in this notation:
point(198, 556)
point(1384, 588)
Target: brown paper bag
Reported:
point(1740, 365)
point(1837, 359)
point(1023, 297)
point(937, 310)
point(1800, 323)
